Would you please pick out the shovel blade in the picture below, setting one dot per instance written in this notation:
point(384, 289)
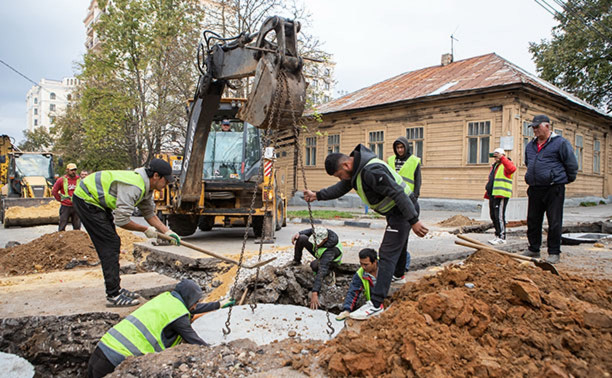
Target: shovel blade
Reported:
point(546, 266)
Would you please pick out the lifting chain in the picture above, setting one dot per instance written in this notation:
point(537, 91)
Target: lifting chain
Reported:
point(296, 131)
point(227, 330)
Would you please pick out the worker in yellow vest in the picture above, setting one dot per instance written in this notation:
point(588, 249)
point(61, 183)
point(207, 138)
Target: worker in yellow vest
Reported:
point(408, 166)
point(499, 191)
point(161, 323)
point(363, 281)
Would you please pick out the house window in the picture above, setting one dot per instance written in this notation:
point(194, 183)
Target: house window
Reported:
point(326, 98)
point(415, 141)
point(377, 141)
point(326, 85)
point(35, 111)
point(315, 83)
point(596, 156)
point(52, 96)
point(35, 122)
point(559, 132)
point(578, 151)
point(36, 100)
point(311, 151)
point(528, 135)
point(52, 107)
point(479, 134)
point(333, 144)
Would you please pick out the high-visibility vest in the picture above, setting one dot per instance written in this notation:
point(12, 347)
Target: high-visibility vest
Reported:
point(387, 203)
point(502, 186)
point(365, 283)
point(95, 188)
point(65, 195)
point(320, 250)
point(407, 170)
point(141, 331)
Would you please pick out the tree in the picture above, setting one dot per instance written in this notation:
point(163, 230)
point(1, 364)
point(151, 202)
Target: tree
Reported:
point(578, 58)
point(36, 140)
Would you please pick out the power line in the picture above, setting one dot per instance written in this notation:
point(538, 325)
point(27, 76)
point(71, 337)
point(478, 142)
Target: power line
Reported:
point(569, 12)
point(19, 73)
point(580, 17)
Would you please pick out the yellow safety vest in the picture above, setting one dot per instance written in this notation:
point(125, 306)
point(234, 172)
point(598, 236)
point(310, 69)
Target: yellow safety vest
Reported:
point(65, 195)
point(365, 283)
point(502, 186)
point(95, 188)
point(407, 170)
point(320, 250)
point(387, 203)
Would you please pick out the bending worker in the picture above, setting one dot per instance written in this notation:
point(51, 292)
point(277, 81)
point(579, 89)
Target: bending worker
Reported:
point(161, 323)
point(106, 198)
point(385, 192)
point(328, 255)
point(409, 167)
point(363, 281)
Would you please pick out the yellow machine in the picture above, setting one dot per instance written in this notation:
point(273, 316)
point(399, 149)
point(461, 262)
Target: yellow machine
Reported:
point(26, 180)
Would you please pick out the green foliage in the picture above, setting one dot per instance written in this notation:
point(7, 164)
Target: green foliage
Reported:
point(36, 140)
point(588, 204)
point(578, 58)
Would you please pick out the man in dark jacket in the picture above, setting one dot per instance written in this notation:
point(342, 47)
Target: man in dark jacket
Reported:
point(363, 281)
point(550, 165)
point(409, 167)
point(161, 323)
point(385, 192)
point(328, 255)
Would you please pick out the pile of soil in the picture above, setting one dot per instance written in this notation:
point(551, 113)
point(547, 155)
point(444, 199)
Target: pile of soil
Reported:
point(48, 253)
point(458, 221)
point(50, 209)
point(517, 320)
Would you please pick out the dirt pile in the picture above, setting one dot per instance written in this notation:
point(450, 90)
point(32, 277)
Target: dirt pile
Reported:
point(458, 221)
point(47, 210)
point(517, 320)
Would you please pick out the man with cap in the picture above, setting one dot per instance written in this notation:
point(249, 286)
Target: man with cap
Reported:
point(107, 198)
point(499, 190)
point(551, 164)
point(63, 189)
point(408, 166)
point(325, 246)
point(384, 191)
point(161, 323)
point(226, 126)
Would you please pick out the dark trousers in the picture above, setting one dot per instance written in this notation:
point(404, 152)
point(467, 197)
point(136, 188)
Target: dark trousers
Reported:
point(302, 243)
point(497, 211)
point(99, 365)
point(100, 226)
point(69, 213)
point(404, 261)
point(392, 249)
point(549, 200)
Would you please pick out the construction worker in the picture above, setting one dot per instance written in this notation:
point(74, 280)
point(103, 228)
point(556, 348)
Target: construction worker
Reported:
point(63, 189)
point(107, 198)
point(363, 281)
point(384, 191)
point(327, 253)
point(408, 166)
point(161, 323)
point(498, 192)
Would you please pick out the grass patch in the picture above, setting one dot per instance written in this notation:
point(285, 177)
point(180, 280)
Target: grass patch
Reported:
point(602, 202)
point(588, 204)
point(320, 214)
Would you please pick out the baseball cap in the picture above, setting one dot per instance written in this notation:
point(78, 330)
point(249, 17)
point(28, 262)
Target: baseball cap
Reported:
point(71, 166)
point(162, 168)
point(320, 233)
point(539, 119)
point(225, 122)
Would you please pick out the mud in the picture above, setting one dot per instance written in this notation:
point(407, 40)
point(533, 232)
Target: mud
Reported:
point(56, 346)
point(457, 221)
point(517, 320)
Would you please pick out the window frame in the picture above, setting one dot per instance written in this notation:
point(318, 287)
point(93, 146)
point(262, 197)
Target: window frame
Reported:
point(419, 139)
point(310, 149)
point(379, 149)
point(335, 146)
point(52, 96)
point(579, 150)
point(480, 126)
point(596, 156)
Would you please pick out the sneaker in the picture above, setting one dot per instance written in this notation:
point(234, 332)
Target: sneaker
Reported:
point(129, 294)
point(343, 315)
point(366, 311)
point(121, 301)
point(530, 253)
point(497, 241)
point(398, 280)
point(553, 258)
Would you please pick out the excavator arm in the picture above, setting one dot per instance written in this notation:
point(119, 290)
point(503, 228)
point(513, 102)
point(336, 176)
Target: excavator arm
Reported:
point(278, 83)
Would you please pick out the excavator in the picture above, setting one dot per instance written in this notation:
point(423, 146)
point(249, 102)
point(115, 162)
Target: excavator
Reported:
point(204, 191)
point(25, 185)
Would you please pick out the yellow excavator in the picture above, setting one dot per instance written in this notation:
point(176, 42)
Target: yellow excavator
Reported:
point(26, 180)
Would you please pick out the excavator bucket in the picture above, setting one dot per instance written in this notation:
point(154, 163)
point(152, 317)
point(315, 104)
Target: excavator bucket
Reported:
point(26, 212)
point(275, 90)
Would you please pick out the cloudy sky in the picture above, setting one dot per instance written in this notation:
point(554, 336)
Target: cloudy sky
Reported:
point(370, 40)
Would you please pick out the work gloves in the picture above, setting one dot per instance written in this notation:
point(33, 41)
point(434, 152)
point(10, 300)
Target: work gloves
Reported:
point(151, 232)
point(227, 302)
point(172, 234)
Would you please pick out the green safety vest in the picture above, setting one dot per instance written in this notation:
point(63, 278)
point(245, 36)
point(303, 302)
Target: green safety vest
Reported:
point(141, 331)
point(407, 170)
point(502, 186)
point(319, 252)
point(95, 188)
point(387, 203)
point(365, 283)
point(65, 195)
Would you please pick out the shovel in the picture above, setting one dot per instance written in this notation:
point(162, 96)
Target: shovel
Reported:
point(479, 245)
point(209, 253)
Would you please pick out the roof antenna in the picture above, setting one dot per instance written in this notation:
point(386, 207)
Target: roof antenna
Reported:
point(453, 39)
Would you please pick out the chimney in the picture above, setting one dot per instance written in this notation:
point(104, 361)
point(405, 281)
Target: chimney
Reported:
point(447, 59)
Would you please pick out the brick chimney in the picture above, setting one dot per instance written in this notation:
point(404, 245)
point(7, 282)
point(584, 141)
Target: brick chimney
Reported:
point(447, 59)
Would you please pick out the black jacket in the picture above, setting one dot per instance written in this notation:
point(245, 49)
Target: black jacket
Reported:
point(377, 184)
point(326, 259)
point(402, 159)
point(555, 163)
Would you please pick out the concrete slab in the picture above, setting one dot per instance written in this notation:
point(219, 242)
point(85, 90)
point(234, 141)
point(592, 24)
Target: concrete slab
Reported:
point(13, 366)
point(68, 293)
point(269, 322)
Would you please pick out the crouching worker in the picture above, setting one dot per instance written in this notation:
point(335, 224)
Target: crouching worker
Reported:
point(161, 323)
point(328, 255)
point(363, 282)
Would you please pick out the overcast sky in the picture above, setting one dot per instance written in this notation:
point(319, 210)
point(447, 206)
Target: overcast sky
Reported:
point(370, 40)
